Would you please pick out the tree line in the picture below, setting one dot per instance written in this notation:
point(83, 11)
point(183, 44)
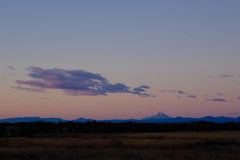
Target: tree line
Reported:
point(41, 127)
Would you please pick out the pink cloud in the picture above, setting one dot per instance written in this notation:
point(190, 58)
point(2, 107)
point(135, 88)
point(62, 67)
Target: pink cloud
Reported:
point(77, 82)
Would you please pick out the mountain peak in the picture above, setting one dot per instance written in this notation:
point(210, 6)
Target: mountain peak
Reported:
point(159, 115)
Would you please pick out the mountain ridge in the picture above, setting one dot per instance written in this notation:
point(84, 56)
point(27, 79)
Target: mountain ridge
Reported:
point(160, 117)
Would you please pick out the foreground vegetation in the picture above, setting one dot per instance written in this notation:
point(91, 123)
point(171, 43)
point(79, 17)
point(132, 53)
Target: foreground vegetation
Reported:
point(28, 129)
point(220, 145)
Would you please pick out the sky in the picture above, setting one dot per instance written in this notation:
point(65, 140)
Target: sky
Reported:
point(123, 59)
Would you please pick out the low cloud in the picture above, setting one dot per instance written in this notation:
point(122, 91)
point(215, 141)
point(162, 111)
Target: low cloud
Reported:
point(10, 67)
point(76, 83)
point(219, 94)
point(217, 100)
point(191, 96)
point(172, 91)
point(238, 98)
point(163, 90)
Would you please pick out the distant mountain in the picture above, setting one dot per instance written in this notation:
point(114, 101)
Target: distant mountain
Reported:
point(159, 115)
point(183, 119)
point(82, 120)
point(32, 119)
point(35, 119)
point(119, 120)
point(157, 118)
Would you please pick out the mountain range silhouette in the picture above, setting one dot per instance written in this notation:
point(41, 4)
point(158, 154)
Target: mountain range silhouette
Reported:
point(157, 118)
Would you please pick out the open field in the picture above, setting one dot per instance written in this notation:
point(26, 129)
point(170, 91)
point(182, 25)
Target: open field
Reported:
point(135, 146)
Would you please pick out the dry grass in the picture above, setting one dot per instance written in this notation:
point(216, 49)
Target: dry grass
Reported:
point(134, 146)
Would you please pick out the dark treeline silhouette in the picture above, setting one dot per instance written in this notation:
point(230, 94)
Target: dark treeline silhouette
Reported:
point(41, 127)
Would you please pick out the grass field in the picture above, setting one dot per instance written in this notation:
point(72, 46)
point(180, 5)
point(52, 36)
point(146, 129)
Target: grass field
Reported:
point(126, 146)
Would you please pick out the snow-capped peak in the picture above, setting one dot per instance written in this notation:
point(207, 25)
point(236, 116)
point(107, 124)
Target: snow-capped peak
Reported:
point(159, 115)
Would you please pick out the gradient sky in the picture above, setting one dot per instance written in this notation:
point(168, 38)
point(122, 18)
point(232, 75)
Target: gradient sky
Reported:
point(119, 59)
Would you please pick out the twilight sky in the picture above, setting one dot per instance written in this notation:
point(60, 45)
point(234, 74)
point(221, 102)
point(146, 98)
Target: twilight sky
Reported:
point(119, 59)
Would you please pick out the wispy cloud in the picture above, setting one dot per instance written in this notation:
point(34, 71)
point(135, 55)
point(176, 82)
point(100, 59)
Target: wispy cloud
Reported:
point(181, 92)
point(217, 100)
point(141, 88)
point(176, 91)
point(219, 94)
point(235, 113)
point(44, 98)
point(76, 83)
point(227, 75)
point(10, 67)
point(191, 96)
point(29, 89)
point(238, 98)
